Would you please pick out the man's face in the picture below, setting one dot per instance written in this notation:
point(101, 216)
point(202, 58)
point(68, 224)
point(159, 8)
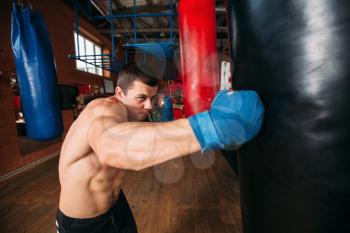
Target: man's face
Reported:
point(138, 100)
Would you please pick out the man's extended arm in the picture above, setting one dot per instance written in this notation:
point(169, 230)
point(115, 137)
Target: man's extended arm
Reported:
point(137, 145)
point(234, 118)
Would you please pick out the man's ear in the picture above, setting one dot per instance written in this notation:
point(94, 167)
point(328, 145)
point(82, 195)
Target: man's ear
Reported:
point(119, 93)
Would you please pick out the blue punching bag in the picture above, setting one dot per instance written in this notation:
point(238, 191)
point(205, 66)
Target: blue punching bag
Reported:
point(166, 113)
point(36, 74)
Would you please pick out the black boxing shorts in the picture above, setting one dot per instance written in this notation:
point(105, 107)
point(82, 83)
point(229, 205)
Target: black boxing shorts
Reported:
point(119, 219)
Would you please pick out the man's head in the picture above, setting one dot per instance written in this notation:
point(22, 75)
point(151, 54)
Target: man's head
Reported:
point(135, 89)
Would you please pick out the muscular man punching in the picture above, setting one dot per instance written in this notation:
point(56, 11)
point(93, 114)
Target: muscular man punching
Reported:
point(109, 138)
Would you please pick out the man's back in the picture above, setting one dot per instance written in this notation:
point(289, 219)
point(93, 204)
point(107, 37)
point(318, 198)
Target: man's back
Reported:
point(88, 188)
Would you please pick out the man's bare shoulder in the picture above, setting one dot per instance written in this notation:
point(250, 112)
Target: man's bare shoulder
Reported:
point(106, 107)
point(76, 145)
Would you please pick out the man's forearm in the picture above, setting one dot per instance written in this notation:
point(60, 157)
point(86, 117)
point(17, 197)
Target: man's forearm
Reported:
point(136, 146)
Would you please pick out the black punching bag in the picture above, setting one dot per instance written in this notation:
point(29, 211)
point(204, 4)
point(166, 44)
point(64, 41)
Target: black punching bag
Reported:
point(295, 176)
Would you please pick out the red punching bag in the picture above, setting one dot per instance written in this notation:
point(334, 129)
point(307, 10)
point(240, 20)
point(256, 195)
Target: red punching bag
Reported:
point(199, 59)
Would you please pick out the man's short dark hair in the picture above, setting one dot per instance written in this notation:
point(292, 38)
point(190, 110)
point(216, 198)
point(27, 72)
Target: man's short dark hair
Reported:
point(131, 73)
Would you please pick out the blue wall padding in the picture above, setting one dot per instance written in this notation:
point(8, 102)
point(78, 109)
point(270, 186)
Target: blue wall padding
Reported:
point(36, 74)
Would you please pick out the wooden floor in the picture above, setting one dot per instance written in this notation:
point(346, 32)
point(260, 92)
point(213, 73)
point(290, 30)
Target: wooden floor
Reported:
point(179, 196)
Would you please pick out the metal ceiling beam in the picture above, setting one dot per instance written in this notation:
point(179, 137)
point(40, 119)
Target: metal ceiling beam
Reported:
point(100, 7)
point(219, 43)
point(150, 30)
point(140, 30)
point(150, 9)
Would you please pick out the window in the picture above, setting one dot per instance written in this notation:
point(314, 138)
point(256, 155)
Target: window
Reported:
point(87, 47)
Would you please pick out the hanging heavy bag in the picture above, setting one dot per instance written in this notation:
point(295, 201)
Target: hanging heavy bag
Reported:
point(36, 74)
point(294, 177)
point(167, 110)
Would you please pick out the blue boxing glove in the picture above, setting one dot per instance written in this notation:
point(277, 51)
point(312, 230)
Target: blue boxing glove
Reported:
point(235, 118)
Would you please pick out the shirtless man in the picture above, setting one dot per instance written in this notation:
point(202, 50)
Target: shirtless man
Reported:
point(109, 138)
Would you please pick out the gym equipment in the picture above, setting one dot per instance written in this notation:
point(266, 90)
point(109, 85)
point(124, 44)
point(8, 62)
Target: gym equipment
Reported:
point(36, 72)
point(199, 59)
point(295, 175)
